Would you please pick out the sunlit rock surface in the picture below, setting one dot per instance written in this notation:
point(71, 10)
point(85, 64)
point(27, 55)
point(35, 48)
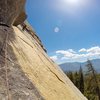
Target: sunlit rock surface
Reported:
point(31, 74)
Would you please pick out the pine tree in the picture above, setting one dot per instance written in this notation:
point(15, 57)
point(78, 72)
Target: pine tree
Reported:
point(76, 79)
point(93, 79)
point(81, 80)
point(70, 75)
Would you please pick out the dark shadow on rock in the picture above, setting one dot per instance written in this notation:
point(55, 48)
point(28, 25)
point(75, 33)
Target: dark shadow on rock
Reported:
point(12, 11)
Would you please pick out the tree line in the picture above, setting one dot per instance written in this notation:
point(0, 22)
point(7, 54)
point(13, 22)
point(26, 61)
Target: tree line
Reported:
point(88, 83)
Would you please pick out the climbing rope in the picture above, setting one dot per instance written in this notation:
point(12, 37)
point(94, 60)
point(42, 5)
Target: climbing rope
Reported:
point(6, 66)
point(4, 49)
point(6, 63)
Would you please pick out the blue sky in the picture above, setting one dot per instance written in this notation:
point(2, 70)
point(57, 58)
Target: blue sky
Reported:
point(69, 29)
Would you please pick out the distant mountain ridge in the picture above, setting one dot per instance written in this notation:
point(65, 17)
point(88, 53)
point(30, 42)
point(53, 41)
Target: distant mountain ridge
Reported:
point(74, 66)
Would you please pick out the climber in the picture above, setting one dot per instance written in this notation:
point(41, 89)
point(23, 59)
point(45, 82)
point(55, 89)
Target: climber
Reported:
point(24, 26)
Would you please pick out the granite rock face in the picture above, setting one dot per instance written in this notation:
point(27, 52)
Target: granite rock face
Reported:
point(31, 74)
point(19, 86)
point(21, 18)
point(26, 71)
point(10, 10)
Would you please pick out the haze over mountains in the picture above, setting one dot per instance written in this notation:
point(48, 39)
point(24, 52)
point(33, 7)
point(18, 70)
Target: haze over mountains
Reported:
point(74, 66)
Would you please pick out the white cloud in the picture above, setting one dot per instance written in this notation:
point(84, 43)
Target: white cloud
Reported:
point(80, 55)
point(71, 50)
point(94, 49)
point(54, 58)
point(82, 50)
point(68, 53)
point(56, 29)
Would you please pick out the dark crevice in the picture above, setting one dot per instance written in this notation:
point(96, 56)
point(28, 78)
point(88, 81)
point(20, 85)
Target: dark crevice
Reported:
point(25, 42)
point(57, 76)
point(1, 24)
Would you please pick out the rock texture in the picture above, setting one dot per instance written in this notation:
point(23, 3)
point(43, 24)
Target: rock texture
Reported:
point(26, 71)
point(31, 74)
point(14, 84)
point(10, 10)
point(21, 18)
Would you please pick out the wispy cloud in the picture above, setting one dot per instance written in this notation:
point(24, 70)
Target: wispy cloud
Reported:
point(71, 55)
point(82, 50)
point(92, 50)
